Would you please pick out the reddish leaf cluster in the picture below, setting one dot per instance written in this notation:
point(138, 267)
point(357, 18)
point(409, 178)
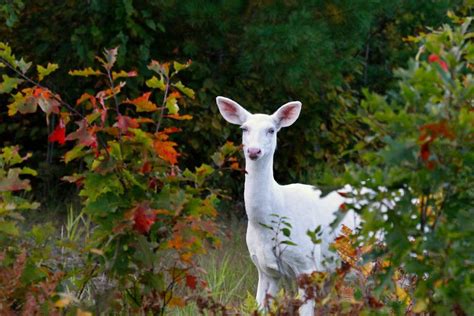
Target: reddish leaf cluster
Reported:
point(428, 134)
point(433, 58)
point(143, 219)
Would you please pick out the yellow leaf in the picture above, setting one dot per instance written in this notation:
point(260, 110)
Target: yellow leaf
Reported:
point(43, 72)
point(63, 302)
point(80, 312)
point(402, 295)
point(154, 83)
point(143, 104)
point(420, 306)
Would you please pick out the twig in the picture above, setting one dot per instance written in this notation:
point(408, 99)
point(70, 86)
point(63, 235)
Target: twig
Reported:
point(163, 104)
point(35, 83)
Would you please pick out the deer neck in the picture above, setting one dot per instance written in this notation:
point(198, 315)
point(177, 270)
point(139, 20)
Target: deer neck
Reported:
point(260, 191)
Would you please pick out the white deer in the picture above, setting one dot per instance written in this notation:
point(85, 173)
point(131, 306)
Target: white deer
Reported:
point(302, 205)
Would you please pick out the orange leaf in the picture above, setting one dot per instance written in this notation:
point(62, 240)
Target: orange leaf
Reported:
point(165, 149)
point(143, 104)
point(179, 117)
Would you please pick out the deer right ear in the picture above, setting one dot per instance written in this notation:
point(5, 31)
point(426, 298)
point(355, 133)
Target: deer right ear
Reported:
point(232, 111)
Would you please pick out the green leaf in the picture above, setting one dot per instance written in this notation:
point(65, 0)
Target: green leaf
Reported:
point(172, 105)
point(178, 66)
point(43, 72)
point(187, 91)
point(156, 83)
point(9, 228)
point(286, 232)
point(288, 242)
point(9, 84)
point(74, 153)
point(6, 54)
point(23, 65)
point(266, 226)
point(96, 185)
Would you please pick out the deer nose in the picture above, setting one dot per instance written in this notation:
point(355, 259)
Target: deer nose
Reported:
point(254, 153)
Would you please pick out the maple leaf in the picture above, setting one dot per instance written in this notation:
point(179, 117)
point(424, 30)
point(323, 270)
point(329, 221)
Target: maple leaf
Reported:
point(142, 218)
point(125, 122)
point(143, 104)
point(165, 149)
point(9, 84)
point(83, 135)
point(13, 182)
point(23, 102)
point(86, 96)
point(47, 102)
point(59, 134)
point(43, 72)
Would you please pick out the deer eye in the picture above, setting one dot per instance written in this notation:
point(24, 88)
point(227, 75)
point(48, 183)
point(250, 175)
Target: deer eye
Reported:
point(271, 131)
point(244, 129)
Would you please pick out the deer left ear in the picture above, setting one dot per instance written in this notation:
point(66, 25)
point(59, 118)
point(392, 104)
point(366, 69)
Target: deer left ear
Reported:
point(287, 114)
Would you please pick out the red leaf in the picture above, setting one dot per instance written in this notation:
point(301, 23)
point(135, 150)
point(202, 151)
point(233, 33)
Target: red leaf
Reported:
point(425, 152)
point(146, 168)
point(143, 219)
point(84, 135)
point(125, 122)
point(191, 281)
point(59, 134)
point(433, 58)
point(428, 134)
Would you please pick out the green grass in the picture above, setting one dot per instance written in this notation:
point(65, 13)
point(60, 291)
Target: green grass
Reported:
point(230, 274)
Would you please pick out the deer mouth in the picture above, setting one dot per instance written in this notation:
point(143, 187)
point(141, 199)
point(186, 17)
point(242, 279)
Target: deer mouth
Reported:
point(254, 157)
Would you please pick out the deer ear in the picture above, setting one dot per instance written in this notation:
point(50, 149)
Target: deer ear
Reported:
point(232, 111)
point(287, 114)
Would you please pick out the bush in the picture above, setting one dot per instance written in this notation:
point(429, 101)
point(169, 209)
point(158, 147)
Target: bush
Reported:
point(150, 217)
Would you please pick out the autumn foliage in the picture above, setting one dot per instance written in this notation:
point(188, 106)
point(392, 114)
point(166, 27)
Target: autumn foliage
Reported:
point(150, 217)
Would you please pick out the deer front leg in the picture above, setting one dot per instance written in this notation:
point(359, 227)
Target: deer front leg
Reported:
point(307, 309)
point(266, 285)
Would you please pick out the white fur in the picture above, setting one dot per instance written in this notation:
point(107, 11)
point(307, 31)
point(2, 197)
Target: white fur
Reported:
point(303, 205)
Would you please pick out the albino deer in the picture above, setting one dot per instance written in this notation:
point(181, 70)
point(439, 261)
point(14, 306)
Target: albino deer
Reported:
point(302, 205)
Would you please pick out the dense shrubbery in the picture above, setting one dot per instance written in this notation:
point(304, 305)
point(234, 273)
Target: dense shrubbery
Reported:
point(145, 216)
point(258, 53)
point(150, 217)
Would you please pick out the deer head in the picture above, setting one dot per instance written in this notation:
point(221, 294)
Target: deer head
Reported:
point(258, 130)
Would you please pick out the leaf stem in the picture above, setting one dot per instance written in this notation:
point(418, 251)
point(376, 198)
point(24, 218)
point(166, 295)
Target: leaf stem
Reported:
point(163, 104)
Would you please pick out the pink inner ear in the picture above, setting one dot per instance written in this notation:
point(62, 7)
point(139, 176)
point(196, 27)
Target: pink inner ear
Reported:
point(229, 108)
point(287, 113)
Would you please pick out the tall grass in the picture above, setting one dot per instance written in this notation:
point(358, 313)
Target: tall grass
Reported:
point(230, 274)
